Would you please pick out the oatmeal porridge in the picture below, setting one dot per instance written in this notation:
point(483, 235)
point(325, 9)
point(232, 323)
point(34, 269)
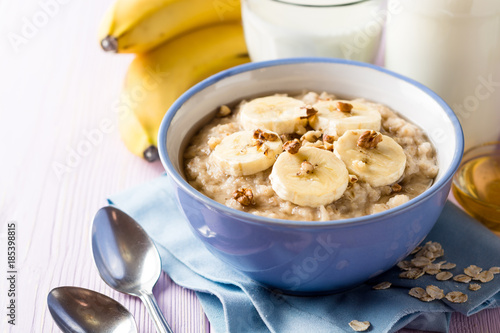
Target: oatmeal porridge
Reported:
point(310, 157)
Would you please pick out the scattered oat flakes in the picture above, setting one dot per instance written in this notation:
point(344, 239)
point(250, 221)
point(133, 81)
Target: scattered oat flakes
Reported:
point(484, 276)
point(359, 326)
point(472, 270)
point(434, 246)
point(434, 292)
point(443, 276)
point(462, 278)
point(448, 265)
point(404, 265)
point(382, 285)
point(420, 262)
point(495, 270)
point(426, 298)
point(415, 250)
point(474, 286)
point(412, 273)
point(432, 269)
point(417, 292)
point(456, 297)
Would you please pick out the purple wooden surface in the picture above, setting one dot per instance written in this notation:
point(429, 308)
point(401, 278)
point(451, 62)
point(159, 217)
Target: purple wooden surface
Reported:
point(56, 87)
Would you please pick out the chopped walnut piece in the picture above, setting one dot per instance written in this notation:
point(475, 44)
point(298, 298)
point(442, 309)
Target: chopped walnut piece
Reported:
point(328, 138)
point(224, 111)
point(369, 139)
point(396, 188)
point(264, 136)
point(310, 111)
point(305, 168)
point(258, 143)
point(292, 147)
point(344, 107)
point(244, 196)
point(353, 179)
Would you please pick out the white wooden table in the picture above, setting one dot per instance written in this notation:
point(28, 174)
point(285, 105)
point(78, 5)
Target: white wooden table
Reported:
point(61, 156)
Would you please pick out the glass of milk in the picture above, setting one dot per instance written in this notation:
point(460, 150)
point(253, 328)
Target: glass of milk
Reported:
point(323, 28)
point(453, 47)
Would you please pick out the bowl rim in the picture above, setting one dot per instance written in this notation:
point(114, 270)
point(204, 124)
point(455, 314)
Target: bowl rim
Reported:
point(261, 220)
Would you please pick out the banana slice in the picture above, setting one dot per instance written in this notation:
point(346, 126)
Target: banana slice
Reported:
point(247, 152)
point(337, 116)
point(279, 114)
point(375, 158)
point(312, 177)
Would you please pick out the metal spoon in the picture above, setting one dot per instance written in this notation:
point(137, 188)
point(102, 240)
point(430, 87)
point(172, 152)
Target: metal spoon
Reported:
point(78, 310)
point(127, 259)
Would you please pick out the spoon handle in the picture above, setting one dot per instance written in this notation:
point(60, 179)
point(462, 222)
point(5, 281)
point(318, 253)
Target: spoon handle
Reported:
point(154, 311)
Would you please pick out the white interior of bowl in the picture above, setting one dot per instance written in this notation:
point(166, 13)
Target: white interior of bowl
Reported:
point(345, 79)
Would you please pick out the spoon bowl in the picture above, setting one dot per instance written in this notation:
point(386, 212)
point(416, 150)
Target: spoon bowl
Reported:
point(79, 310)
point(127, 259)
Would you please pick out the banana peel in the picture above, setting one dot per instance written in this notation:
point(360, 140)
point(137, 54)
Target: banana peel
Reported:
point(157, 78)
point(137, 26)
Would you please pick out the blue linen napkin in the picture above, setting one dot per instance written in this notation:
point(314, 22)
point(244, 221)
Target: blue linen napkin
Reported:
point(235, 303)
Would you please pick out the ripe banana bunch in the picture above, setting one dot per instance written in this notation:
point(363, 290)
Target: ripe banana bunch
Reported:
point(157, 78)
point(136, 26)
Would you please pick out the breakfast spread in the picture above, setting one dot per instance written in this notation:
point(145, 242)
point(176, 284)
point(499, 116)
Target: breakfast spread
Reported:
point(310, 157)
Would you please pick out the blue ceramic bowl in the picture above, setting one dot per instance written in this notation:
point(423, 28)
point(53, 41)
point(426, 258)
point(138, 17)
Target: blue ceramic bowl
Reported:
point(311, 257)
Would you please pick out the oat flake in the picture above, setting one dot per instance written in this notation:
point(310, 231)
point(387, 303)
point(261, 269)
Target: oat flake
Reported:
point(434, 292)
point(484, 276)
point(359, 326)
point(472, 270)
point(462, 278)
point(417, 292)
point(443, 276)
point(456, 297)
point(382, 285)
point(474, 286)
point(495, 270)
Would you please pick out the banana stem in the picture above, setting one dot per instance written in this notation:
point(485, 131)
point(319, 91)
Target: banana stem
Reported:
point(151, 154)
point(109, 44)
